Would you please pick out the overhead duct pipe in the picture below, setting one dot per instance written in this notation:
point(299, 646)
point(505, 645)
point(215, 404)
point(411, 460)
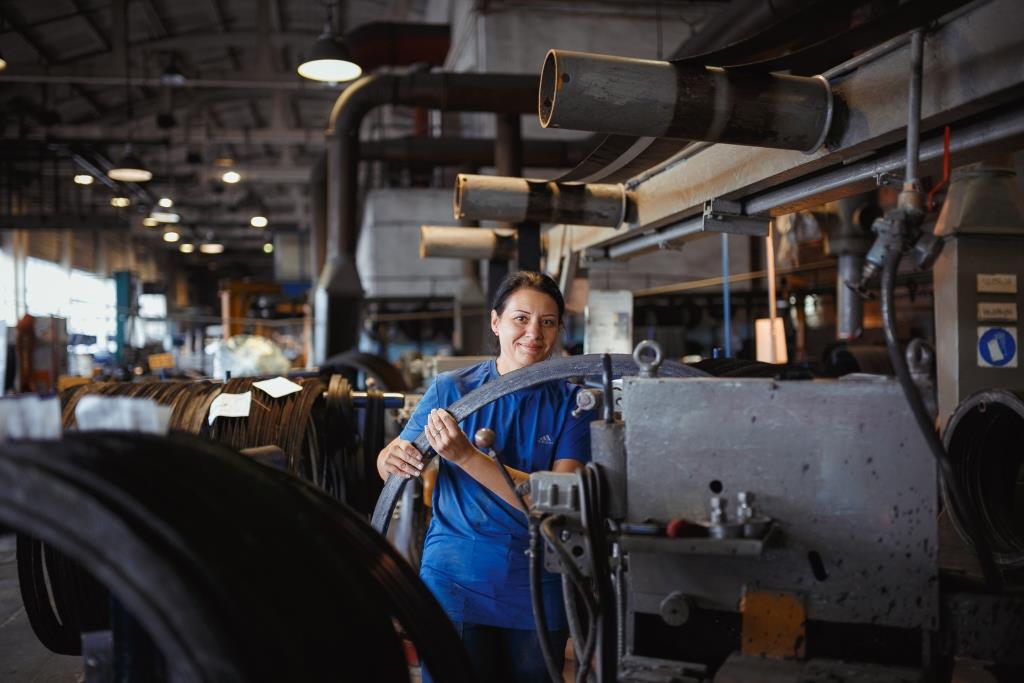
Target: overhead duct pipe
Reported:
point(438, 241)
point(647, 98)
point(514, 200)
point(338, 295)
point(442, 151)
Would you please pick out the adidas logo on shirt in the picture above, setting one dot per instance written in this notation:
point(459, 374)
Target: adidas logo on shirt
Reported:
point(546, 440)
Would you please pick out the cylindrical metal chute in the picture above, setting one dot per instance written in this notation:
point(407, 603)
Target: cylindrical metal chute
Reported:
point(648, 98)
point(437, 241)
point(514, 200)
point(983, 438)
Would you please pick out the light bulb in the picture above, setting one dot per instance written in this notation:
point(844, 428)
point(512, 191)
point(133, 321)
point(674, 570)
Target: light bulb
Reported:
point(258, 221)
point(231, 177)
point(83, 179)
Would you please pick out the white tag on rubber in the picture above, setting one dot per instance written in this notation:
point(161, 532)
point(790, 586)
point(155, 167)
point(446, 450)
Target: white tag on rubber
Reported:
point(230, 405)
point(278, 387)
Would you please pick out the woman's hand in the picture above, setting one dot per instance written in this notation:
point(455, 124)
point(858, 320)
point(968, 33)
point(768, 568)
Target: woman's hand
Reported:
point(446, 438)
point(400, 458)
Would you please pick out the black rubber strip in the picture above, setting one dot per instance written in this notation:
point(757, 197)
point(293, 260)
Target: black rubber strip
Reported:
point(548, 371)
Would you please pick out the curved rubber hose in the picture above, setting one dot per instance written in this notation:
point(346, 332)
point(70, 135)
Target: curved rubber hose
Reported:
point(524, 378)
point(540, 619)
point(965, 510)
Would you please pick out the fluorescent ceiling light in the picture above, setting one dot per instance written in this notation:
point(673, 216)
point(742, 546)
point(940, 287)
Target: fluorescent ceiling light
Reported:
point(268, 248)
point(231, 177)
point(166, 202)
point(171, 236)
point(83, 179)
point(187, 248)
point(258, 221)
point(211, 248)
point(165, 216)
point(120, 202)
point(150, 222)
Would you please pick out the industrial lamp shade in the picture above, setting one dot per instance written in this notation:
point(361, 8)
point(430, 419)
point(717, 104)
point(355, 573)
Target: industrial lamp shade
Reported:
point(130, 170)
point(330, 61)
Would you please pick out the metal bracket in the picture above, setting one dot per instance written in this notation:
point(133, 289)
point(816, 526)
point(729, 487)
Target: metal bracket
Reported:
point(888, 180)
point(721, 215)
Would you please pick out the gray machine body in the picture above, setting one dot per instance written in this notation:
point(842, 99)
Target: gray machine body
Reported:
point(840, 466)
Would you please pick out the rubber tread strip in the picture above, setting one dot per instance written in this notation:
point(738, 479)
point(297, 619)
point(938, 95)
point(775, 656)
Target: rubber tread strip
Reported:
point(525, 378)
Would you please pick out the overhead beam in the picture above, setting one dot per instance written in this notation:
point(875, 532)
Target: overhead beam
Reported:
point(247, 79)
point(19, 26)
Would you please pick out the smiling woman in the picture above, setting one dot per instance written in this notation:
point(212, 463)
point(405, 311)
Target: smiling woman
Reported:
point(474, 557)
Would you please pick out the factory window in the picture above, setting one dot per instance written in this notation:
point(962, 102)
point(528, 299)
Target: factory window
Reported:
point(86, 300)
point(8, 300)
point(92, 309)
point(46, 288)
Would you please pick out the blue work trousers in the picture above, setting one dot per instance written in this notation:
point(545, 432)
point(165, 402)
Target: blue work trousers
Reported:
point(507, 655)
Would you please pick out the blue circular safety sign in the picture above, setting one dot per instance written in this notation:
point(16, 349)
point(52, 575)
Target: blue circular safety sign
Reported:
point(997, 347)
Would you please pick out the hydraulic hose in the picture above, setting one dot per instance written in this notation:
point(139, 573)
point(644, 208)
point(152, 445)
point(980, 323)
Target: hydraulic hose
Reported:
point(965, 511)
point(579, 583)
point(537, 602)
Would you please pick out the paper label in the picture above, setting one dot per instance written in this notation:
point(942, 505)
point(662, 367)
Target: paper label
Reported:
point(121, 414)
point(997, 311)
point(278, 387)
point(160, 361)
point(997, 283)
point(230, 405)
point(997, 347)
point(30, 417)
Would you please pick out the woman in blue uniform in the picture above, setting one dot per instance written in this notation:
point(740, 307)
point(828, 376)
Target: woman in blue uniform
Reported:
point(474, 556)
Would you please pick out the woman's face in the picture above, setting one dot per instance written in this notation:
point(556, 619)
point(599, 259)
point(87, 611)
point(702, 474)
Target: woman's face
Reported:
point(527, 330)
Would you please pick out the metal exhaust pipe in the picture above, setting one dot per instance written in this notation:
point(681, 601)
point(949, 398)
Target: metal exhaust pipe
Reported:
point(466, 243)
point(647, 98)
point(514, 200)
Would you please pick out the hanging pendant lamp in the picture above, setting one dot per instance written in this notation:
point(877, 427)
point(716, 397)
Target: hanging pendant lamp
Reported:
point(330, 59)
point(130, 169)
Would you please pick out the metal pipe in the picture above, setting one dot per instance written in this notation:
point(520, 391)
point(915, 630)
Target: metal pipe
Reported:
point(726, 301)
point(641, 97)
point(515, 200)
point(849, 304)
point(466, 243)
point(338, 293)
point(914, 107)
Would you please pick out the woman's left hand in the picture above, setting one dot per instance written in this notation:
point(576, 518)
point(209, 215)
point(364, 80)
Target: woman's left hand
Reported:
point(447, 438)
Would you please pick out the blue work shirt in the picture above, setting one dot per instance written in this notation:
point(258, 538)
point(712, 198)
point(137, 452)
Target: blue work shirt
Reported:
point(474, 556)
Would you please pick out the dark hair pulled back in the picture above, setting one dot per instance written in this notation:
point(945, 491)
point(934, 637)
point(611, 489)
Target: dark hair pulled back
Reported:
point(528, 279)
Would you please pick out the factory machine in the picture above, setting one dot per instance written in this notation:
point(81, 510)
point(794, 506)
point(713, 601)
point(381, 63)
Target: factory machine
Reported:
point(781, 528)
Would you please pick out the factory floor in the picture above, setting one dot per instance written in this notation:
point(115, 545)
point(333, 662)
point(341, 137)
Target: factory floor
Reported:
point(23, 659)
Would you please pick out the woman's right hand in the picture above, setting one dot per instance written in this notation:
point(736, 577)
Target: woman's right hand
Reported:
point(401, 458)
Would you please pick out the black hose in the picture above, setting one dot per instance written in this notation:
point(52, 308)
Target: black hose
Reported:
point(580, 584)
point(572, 615)
point(594, 515)
point(540, 621)
point(537, 602)
point(965, 511)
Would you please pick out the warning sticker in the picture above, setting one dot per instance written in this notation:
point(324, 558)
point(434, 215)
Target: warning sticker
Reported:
point(997, 347)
